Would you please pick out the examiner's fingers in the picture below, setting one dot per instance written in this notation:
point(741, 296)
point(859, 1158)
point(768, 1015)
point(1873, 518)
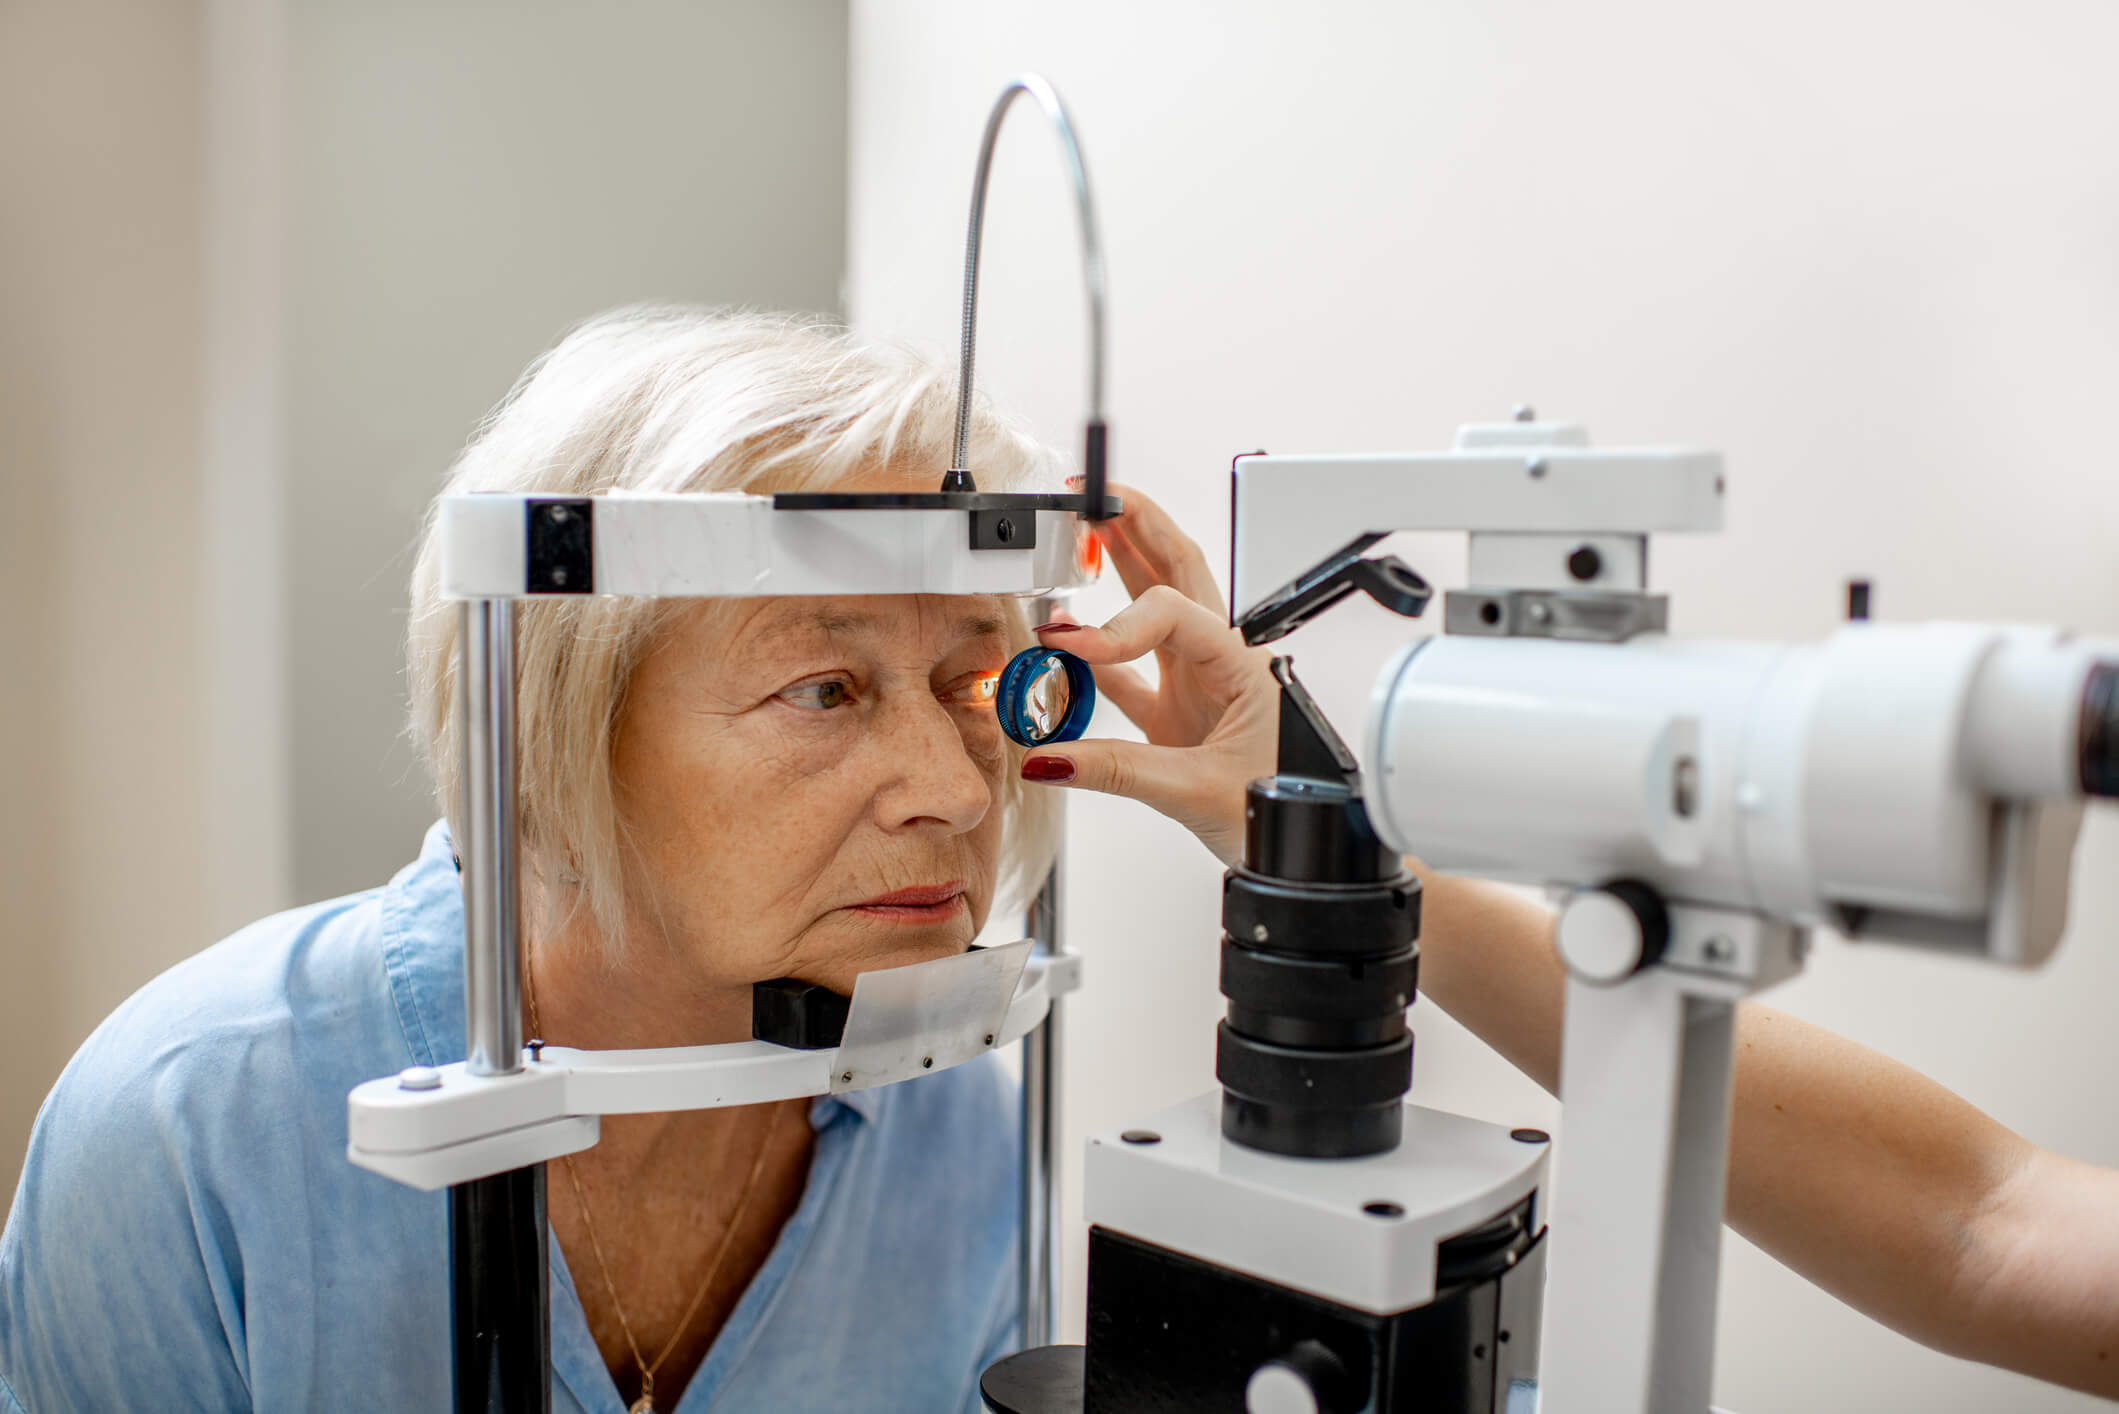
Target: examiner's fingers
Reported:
point(1147, 548)
point(1131, 693)
point(1164, 620)
point(1185, 784)
point(1134, 571)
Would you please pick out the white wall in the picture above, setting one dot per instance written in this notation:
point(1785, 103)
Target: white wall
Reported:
point(1871, 253)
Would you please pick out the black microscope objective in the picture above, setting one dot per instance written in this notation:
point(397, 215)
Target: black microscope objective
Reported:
point(1318, 959)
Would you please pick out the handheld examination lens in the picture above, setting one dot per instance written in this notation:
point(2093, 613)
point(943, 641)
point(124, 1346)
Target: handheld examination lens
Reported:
point(1045, 696)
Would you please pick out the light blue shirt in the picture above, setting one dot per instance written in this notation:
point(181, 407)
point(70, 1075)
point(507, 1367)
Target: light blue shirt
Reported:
point(188, 1233)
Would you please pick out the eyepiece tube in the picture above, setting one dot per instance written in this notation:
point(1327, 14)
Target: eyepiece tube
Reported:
point(2100, 731)
point(2041, 721)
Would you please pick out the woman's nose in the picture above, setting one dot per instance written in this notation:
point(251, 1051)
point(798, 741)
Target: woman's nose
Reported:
point(929, 777)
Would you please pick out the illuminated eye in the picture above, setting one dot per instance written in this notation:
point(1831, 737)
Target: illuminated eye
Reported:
point(980, 691)
point(819, 695)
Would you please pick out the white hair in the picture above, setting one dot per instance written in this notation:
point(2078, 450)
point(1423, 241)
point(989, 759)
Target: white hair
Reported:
point(677, 398)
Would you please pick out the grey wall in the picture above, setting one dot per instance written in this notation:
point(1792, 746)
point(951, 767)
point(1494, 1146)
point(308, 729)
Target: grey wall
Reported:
point(102, 677)
point(263, 266)
point(468, 180)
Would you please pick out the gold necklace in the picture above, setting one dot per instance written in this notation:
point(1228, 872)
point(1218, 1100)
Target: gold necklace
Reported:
point(646, 1403)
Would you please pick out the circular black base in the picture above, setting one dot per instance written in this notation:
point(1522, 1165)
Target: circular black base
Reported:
point(1047, 1380)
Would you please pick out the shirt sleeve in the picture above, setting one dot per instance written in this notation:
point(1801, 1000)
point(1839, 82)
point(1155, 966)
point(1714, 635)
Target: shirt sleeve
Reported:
point(120, 1287)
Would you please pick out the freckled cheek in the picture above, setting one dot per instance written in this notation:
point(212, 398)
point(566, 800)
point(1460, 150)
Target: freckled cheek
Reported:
point(984, 742)
point(735, 795)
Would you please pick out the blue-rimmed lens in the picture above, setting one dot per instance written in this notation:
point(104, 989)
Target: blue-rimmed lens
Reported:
point(1045, 696)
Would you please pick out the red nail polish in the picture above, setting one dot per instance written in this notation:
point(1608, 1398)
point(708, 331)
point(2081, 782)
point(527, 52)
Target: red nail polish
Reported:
point(1055, 628)
point(1048, 768)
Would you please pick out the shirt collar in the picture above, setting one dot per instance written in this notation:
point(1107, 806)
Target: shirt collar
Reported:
point(423, 954)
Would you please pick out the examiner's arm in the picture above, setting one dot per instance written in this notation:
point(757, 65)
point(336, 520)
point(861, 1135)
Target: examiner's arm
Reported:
point(1858, 1172)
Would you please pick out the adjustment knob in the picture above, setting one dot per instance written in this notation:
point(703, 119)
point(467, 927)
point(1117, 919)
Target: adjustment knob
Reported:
point(1606, 935)
point(1309, 1379)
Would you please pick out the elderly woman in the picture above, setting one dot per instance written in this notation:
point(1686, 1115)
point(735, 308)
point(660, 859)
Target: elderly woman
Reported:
point(715, 794)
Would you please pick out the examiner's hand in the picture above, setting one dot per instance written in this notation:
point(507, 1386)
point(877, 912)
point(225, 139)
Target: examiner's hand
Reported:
point(1211, 719)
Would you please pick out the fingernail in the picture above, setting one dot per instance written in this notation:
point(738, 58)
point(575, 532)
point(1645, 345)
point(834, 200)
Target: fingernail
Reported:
point(1055, 627)
point(1048, 768)
point(1077, 480)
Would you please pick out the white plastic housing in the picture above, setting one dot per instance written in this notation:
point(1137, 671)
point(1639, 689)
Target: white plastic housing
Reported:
point(1528, 479)
point(1918, 773)
point(724, 544)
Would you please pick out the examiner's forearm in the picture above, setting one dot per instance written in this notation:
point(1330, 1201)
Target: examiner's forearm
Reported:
point(1862, 1174)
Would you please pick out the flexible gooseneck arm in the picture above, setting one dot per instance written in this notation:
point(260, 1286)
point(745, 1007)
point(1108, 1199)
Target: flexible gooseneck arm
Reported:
point(959, 477)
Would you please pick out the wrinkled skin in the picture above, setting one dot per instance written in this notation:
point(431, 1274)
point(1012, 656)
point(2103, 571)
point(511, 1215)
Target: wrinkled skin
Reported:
point(782, 761)
point(779, 763)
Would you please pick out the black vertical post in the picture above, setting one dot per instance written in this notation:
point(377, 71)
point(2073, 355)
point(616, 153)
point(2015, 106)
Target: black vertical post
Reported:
point(500, 1294)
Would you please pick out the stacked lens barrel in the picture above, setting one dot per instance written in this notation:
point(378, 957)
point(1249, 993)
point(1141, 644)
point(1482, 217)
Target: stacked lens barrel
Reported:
point(1319, 963)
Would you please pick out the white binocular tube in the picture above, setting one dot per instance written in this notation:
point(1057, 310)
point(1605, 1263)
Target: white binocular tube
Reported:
point(1900, 778)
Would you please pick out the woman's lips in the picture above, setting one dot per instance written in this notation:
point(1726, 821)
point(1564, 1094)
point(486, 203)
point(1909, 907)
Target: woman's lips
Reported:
point(930, 903)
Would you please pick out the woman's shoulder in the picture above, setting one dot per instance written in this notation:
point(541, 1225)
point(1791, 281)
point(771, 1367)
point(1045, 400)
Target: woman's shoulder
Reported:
point(192, 1155)
point(264, 1024)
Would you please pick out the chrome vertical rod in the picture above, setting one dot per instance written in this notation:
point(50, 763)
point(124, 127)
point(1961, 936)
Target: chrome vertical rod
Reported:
point(500, 1314)
point(1037, 1248)
point(492, 913)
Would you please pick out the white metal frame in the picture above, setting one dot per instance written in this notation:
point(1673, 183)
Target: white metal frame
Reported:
point(1645, 1073)
point(702, 544)
point(1648, 1054)
point(432, 1127)
point(504, 1107)
point(1532, 482)
point(1306, 1224)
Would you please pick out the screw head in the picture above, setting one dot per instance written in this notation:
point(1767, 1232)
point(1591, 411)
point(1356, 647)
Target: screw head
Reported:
point(1259, 933)
point(1536, 467)
point(419, 1077)
point(558, 515)
point(989, 1038)
point(1383, 1209)
point(1525, 413)
point(846, 1077)
point(1004, 530)
point(927, 1062)
point(1585, 563)
point(1540, 612)
point(1530, 1136)
point(1141, 1136)
point(559, 574)
point(1718, 949)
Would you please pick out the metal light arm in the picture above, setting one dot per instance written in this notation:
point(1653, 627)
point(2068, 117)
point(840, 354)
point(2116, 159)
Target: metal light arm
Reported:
point(959, 477)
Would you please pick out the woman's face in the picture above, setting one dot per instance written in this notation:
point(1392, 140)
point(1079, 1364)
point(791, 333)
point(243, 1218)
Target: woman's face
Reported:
point(808, 785)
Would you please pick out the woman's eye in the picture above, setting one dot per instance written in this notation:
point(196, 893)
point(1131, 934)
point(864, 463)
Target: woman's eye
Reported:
point(819, 696)
point(978, 690)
